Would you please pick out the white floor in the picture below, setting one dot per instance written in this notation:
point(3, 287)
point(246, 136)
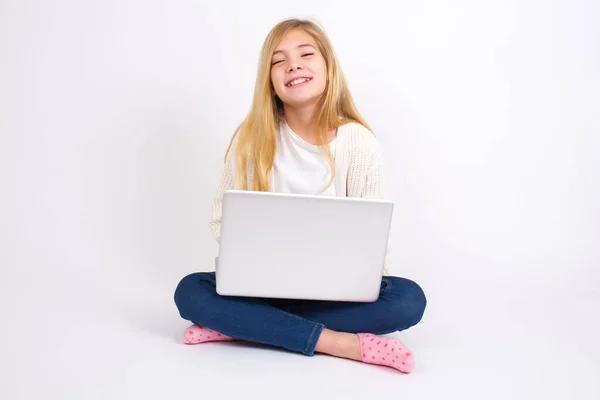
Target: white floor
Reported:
point(76, 335)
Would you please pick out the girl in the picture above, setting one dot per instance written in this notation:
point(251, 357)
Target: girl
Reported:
point(303, 135)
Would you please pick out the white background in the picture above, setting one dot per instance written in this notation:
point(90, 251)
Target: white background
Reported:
point(114, 118)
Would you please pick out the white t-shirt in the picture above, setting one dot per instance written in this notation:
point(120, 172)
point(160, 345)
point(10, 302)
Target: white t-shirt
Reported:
point(299, 166)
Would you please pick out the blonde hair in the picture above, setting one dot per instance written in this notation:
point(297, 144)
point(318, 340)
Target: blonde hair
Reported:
point(256, 136)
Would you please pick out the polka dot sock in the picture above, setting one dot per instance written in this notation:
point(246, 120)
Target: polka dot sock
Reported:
point(389, 352)
point(200, 334)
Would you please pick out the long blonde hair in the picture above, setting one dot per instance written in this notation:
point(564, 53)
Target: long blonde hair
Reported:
point(255, 137)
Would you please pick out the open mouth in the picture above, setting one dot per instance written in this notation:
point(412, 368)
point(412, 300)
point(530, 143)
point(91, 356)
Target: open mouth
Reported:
point(298, 81)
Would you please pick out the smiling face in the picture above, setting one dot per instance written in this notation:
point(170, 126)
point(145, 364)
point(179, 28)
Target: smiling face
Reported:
point(298, 69)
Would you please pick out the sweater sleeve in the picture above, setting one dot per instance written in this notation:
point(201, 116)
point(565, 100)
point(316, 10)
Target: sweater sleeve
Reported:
point(376, 185)
point(226, 182)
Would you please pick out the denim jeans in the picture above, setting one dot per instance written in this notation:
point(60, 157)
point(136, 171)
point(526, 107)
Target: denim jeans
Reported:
point(297, 324)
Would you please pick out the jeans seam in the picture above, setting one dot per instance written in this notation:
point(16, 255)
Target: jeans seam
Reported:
point(316, 324)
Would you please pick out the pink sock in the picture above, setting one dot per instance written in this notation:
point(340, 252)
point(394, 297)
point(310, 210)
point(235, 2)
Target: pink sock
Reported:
point(385, 351)
point(200, 334)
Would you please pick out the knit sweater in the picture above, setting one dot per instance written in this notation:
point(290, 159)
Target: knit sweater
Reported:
point(359, 172)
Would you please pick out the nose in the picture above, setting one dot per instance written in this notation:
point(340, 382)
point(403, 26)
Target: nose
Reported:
point(293, 67)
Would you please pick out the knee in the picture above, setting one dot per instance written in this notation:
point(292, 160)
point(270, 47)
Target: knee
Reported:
point(408, 304)
point(191, 291)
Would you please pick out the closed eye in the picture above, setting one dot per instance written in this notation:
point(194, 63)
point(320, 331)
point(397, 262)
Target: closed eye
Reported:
point(280, 61)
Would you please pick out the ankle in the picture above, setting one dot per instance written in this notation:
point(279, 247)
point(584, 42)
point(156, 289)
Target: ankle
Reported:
point(339, 344)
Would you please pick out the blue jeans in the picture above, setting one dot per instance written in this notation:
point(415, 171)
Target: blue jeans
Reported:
point(297, 324)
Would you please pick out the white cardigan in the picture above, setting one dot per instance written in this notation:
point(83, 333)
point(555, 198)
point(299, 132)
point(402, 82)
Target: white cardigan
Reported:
point(359, 172)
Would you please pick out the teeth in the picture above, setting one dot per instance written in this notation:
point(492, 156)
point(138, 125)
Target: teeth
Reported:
point(298, 81)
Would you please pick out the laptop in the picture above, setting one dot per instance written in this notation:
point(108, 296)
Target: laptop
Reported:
point(304, 247)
